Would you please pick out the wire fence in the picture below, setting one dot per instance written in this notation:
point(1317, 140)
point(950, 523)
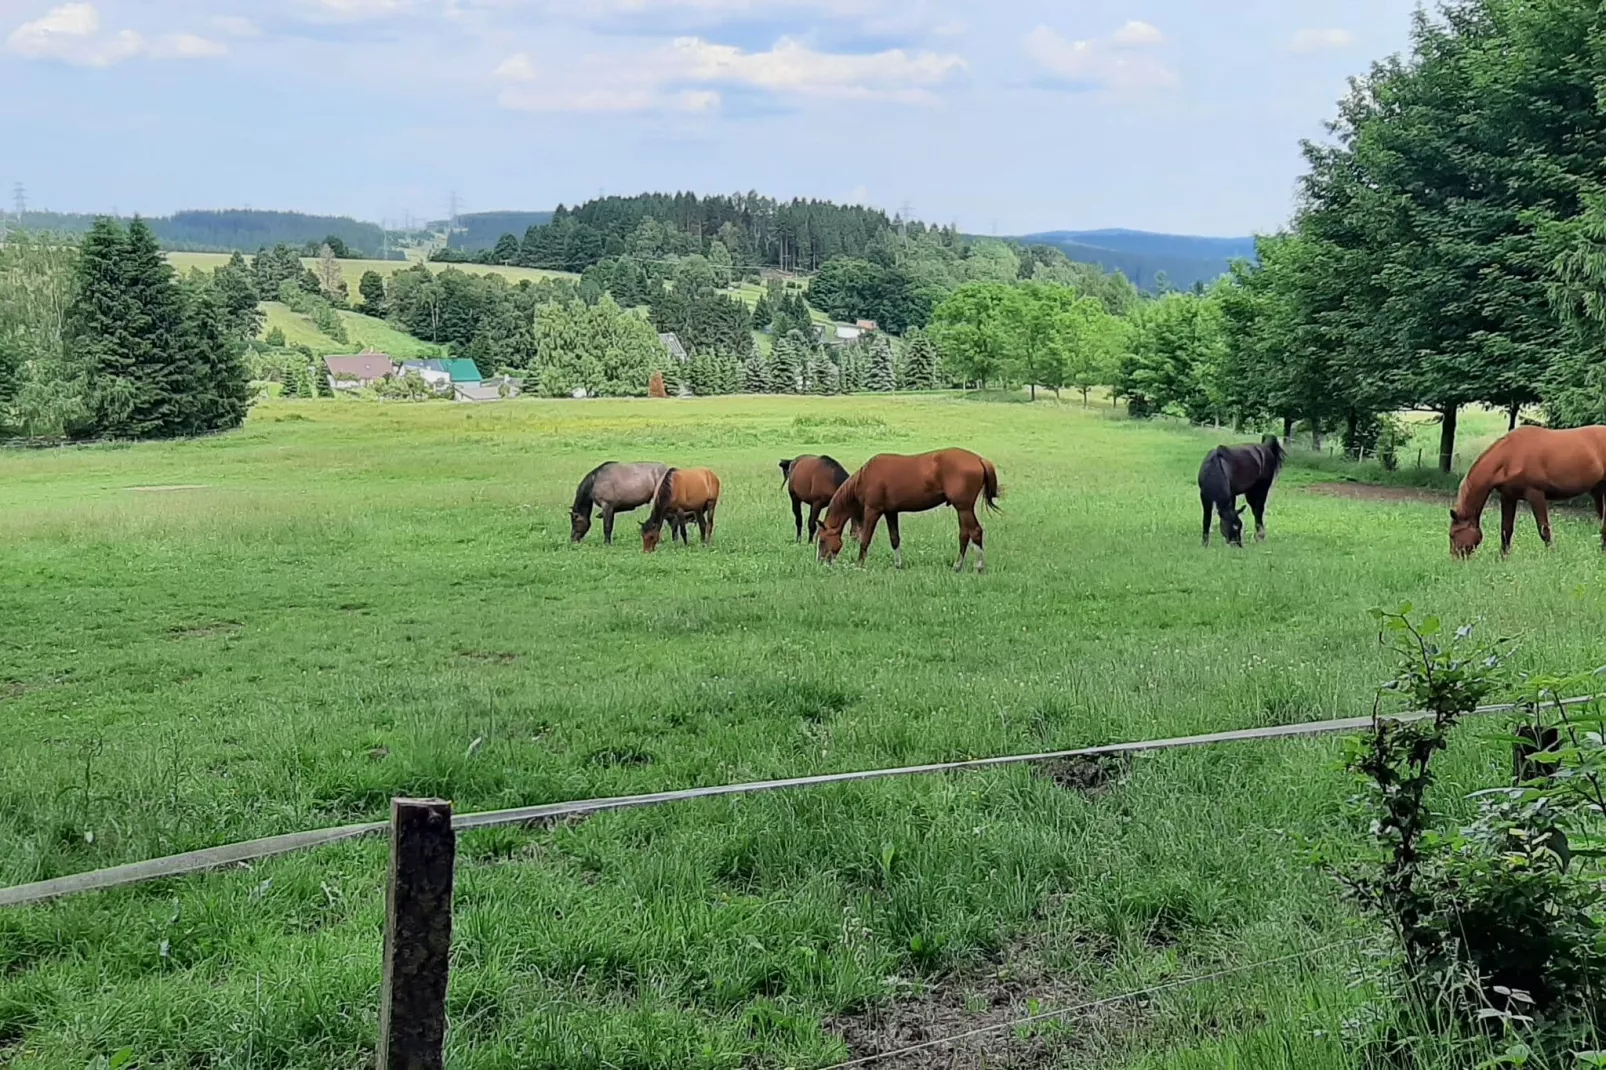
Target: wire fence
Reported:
point(253, 850)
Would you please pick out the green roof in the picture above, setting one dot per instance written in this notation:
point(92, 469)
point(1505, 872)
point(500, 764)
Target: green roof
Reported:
point(463, 370)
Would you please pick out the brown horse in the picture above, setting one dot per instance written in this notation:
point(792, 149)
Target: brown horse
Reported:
point(890, 484)
point(812, 481)
point(1536, 465)
point(683, 493)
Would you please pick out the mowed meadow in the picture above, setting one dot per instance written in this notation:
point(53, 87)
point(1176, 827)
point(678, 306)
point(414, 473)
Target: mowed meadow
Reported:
point(281, 628)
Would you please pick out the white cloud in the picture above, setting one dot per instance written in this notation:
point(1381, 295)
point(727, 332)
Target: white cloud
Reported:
point(73, 33)
point(1136, 34)
point(686, 76)
point(1121, 62)
point(186, 46)
point(1316, 40)
point(357, 9)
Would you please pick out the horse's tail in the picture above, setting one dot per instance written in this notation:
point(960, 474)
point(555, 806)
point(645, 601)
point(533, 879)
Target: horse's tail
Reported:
point(989, 484)
point(584, 495)
point(662, 497)
point(1274, 446)
point(1215, 477)
point(786, 471)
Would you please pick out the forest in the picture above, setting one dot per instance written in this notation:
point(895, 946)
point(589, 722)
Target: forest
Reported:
point(232, 230)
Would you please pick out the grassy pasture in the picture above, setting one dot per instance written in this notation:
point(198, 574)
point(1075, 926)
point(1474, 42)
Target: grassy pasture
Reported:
point(341, 603)
point(353, 269)
point(365, 332)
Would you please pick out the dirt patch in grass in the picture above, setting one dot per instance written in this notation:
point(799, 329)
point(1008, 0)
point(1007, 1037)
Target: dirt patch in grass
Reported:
point(982, 1008)
point(500, 657)
point(1371, 492)
point(169, 487)
point(1089, 774)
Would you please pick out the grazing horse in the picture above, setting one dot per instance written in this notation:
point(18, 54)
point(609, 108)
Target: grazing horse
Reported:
point(812, 481)
point(1229, 471)
point(1536, 465)
point(683, 494)
point(617, 488)
point(890, 484)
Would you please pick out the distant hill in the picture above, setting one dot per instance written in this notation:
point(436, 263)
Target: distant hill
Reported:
point(481, 230)
point(245, 230)
point(1141, 256)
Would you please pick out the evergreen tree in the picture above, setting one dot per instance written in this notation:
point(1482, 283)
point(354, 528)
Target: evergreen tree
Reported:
point(786, 369)
point(218, 392)
point(276, 338)
point(733, 375)
point(883, 378)
point(372, 288)
point(238, 299)
point(273, 267)
point(757, 373)
point(99, 332)
point(506, 251)
point(763, 313)
point(920, 362)
point(823, 378)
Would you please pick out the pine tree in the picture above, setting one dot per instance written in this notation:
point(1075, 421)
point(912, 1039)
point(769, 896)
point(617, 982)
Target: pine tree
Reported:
point(855, 377)
point(218, 391)
point(826, 379)
point(785, 366)
point(758, 373)
point(237, 295)
point(883, 379)
point(920, 362)
point(276, 338)
point(161, 372)
point(97, 329)
point(763, 313)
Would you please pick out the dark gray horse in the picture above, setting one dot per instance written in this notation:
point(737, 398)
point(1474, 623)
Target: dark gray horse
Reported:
point(1229, 471)
point(614, 488)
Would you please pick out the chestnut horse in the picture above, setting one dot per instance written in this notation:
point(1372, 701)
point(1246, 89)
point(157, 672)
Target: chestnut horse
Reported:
point(683, 493)
point(812, 481)
point(890, 484)
point(1536, 465)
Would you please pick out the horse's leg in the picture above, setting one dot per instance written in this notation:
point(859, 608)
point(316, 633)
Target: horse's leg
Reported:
point(797, 515)
point(971, 532)
point(607, 523)
point(1541, 508)
point(1508, 521)
point(814, 522)
point(708, 531)
point(1600, 512)
point(1208, 510)
point(1256, 497)
point(897, 540)
point(867, 533)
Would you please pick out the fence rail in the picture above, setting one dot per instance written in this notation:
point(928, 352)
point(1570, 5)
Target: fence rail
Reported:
point(252, 850)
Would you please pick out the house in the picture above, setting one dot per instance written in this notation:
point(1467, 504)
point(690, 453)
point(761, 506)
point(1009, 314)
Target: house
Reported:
point(432, 372)
point(496, 389)
point(358, 371)
point(463, 372)
point(844, 333)
point(867, 326)
point(676, 350)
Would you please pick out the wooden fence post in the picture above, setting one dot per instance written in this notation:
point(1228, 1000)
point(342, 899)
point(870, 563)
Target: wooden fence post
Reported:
point(418, 935)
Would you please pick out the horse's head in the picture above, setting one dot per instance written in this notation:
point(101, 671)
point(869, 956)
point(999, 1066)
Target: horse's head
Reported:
point(830, 539)
point(579, 524)
point(1232, 526)
point(651, 535)
point(1465, 535)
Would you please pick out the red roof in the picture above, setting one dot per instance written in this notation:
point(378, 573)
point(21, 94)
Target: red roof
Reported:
point(365, 367)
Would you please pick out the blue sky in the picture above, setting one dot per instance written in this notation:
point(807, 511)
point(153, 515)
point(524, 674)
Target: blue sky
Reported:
point(1014, 115)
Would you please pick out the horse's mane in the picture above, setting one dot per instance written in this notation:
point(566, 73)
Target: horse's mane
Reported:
point(584, 497)
point(839, 474)
point(661, 499)
point(845, 502)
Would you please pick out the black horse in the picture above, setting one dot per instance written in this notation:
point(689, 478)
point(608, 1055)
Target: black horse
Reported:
point(1233, 470)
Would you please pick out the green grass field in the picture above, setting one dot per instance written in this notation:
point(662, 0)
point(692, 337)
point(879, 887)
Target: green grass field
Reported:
point(354, 269)
point(365, 332)
point(341, 603)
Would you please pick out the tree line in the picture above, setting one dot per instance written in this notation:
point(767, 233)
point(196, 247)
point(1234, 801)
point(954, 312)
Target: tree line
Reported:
point(1449, 246)
point(101, 339)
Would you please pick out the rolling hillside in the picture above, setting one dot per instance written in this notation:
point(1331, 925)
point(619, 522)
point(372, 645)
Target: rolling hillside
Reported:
point(1141, 256)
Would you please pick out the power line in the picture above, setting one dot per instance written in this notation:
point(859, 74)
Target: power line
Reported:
point(19, 198)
